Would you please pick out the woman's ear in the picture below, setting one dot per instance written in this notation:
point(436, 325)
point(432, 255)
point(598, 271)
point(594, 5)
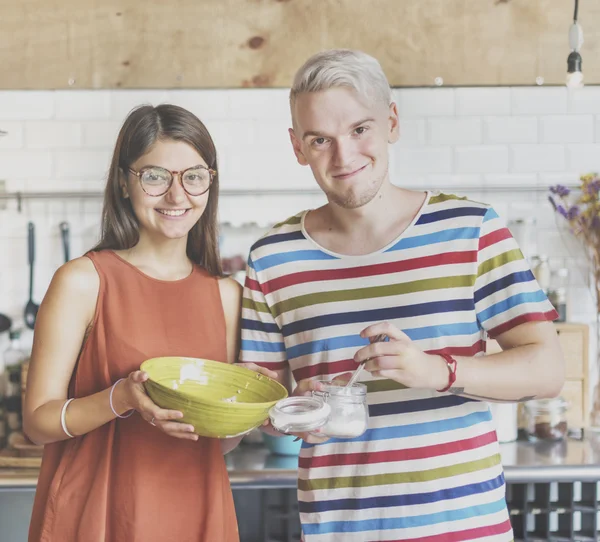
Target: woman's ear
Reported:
point(123, 184)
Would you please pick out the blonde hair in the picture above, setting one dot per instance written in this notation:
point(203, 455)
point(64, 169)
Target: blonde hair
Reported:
point(342, 68)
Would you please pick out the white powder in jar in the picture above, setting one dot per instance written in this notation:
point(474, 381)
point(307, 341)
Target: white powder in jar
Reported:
point(341, 428)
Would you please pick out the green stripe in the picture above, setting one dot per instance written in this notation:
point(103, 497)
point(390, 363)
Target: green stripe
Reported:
point(383, 385)
point(290, 222)
point(499, 261)
point(372, 292)
point(400, 477)
point(248, 303)
point(439, 198)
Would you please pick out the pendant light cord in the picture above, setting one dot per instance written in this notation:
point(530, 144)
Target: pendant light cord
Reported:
point(576, 10)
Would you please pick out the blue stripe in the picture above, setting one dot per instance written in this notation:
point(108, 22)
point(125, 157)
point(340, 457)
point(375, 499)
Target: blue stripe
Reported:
point(262, 346)
point(490, 214)
point(293, 256)
point(450, 234)
point(451, 213)
point(416, 429)
point(308, 507)
point(406, 522)
point(377, 315)
point(325, 345)
point(278, 238)
point(417, 405)
point(444, 330)
point(502, 283)
point(257, 325)
point(511, 302)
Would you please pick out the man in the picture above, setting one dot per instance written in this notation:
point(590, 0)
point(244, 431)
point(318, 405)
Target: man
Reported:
point(437, 274)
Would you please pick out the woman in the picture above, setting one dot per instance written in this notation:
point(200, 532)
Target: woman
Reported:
point(116, 467)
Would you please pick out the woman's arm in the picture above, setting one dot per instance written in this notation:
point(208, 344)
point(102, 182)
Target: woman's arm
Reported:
point(63, 321)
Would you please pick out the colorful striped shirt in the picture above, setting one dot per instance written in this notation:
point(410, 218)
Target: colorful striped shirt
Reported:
point(428, 468)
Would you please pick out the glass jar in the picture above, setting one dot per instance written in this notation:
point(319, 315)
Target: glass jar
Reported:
point(349, 417)
point(336, 411)
point(546, 419)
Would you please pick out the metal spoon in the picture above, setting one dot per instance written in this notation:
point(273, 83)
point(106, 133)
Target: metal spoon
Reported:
point(64, 232)
point(378, 338)
point(31, 309)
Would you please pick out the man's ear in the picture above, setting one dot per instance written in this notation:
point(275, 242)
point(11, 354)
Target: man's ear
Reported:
point(393, 123)
point(296, 144)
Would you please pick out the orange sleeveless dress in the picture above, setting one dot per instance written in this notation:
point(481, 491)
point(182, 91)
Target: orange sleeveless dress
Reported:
point(127, 481)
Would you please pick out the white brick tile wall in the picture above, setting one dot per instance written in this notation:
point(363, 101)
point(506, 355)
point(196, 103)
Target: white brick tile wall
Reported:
point(100, 133)
point(482, 159)
point(567, 129)
point(412, 132)
point(584, 158)
point(584, 100)
point(123, 101)
point(82, 104)
point(13, 139)
point(426, 102)
point(51, 134)
point(539, 101)
point(538, 158)
point(510, 130)
point(507, 180)
point(82, 164)
point(482, 101)
point(208, 104)
point(25, 164)
point(423, 159)
point(20, 105)
point(454, 131)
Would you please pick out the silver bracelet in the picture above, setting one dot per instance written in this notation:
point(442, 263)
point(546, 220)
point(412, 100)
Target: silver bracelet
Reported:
point(110, 402)
point(63, 414)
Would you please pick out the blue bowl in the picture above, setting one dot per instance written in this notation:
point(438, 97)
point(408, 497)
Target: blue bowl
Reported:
point(282, 445)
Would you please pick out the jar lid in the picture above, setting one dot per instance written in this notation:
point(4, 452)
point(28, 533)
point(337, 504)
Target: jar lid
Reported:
point(547, 405)
point(339, 388)
point(298, 414)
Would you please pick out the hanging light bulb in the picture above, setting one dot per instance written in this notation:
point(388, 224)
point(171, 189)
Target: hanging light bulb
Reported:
point(574, 72)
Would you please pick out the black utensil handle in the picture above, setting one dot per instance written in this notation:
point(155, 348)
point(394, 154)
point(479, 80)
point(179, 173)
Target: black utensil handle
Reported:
point(64, 230)
point(30, 244)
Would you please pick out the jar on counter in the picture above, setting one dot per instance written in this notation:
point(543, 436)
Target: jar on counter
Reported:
point(546, 419)
point(336, 411)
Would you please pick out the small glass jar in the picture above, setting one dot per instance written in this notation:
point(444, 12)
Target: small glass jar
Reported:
point(349, 417)
point(546, 419)
point(335, 411)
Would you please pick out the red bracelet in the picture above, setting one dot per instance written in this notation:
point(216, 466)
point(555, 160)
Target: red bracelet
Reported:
point(451, 364)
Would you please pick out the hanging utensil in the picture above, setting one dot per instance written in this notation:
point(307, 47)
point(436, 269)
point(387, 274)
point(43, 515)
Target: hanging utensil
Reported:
point(5, 323)
point(31, 309)
point(64, 232)
point(378, 338)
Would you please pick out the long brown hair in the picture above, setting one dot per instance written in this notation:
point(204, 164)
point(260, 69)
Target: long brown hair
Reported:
point(142, 128)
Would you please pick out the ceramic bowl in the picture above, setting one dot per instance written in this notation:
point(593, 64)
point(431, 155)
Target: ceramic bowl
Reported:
point(220, 400)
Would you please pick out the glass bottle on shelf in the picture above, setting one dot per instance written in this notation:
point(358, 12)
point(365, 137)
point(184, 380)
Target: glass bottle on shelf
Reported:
point(558, 292)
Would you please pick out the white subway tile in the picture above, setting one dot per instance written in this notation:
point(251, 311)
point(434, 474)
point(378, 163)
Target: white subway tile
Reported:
point(510, 130)
point(597, 130)
point(425, 102)
point(82, 104)
point(13, 139)
point(25, 164)
point(538, 158)
point(26, 104)
point(83, 164)
point(52, 134)
point(101, 134)
point(435, 182)
point(123, 101)
point(556, 243)
point(584, 100)
point(482, 159)
point(423, 159)
point(455, 131)
point(513, 180)
point(259, 104)
point(567, 129)
point(205, 104)
point(483, 101)
point(585, 158)
point(564, 177)
point(412, 132)
point(539, 100)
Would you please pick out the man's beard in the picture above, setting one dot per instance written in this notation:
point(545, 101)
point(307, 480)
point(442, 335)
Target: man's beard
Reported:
point(354, 201)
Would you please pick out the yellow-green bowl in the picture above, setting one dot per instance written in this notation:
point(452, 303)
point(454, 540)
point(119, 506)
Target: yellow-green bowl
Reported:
point(220, 400)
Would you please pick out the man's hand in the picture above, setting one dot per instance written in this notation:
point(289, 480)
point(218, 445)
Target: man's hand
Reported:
point(400, 360)
point(305, 388)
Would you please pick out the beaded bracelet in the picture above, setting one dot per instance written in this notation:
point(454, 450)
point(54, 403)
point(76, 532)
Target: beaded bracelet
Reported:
point(63, 422)
point(110, 402)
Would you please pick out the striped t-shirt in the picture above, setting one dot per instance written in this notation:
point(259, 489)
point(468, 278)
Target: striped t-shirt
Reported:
point(428, 468)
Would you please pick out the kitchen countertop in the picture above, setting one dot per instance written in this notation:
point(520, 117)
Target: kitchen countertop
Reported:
point(252, 466)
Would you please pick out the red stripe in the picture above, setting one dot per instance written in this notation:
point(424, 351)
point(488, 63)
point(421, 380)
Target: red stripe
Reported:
point(341, 366)
point(389, 456)
point(252, 284)
point(524, 318)
point(369, 270)
point(461, 536)
point(494, 237)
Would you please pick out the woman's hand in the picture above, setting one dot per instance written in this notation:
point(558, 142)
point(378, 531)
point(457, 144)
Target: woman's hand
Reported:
point(134, 396)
